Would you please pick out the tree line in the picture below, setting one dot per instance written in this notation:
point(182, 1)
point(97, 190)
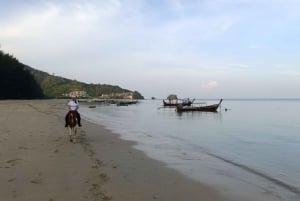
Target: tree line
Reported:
point(19, 81)
point(15, 81)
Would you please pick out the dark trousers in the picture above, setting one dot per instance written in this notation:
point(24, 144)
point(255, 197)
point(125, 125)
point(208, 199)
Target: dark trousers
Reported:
point(77, 116)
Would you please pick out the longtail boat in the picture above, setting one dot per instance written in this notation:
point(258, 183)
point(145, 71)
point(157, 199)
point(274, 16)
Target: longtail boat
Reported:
point(174, 104)
point(208, 108)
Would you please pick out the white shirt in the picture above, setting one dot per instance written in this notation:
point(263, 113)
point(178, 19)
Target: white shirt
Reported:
point(73, 105)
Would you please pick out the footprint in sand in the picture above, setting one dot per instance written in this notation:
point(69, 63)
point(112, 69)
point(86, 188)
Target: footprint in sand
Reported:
point(107, 198)
point(24, 148)
point(104, 177)
point(38, 180)
point(12, 179)
point(99, 162)
point(57, 140)
point(13, 162)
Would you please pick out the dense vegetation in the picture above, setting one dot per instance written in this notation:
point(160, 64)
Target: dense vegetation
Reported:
point(15, 81)
point(58, 87)
point(19, 81)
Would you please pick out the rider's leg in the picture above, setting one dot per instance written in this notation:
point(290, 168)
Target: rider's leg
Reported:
point(66, 120)
point(78, 119)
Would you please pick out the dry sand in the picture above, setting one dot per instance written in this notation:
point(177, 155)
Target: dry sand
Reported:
point(37, 162)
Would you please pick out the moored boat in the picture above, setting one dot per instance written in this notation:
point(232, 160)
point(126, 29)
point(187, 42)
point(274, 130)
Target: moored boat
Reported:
point(122, 103)
point(183, 103)
point(208, 108)
point(126, 102)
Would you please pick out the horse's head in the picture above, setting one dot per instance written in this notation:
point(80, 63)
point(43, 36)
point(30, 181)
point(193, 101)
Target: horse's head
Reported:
point(72, 116)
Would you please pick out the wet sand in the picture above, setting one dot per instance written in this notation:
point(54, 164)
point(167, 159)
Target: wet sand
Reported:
point(37, 162)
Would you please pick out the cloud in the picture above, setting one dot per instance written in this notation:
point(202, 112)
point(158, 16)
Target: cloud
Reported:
point(210, 85)
point(174, 41)
point(28, 24)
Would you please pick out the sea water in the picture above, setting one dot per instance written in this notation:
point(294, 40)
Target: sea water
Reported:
point(247, 142)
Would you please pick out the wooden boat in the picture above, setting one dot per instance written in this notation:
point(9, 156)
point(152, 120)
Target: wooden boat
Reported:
point(208, 108)
point(174, 104)
point(122, 103)
point(126, 102)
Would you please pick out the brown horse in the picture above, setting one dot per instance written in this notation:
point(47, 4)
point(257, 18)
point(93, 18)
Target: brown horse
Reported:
point(72, 125)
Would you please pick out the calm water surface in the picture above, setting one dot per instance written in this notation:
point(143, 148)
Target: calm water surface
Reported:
point(254, 142)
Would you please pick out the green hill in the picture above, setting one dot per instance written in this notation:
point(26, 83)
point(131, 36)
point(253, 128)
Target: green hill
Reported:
point(51, 86)
point(59, 87)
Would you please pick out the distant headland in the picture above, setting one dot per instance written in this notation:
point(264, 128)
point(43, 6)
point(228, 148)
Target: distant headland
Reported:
point(20, 81)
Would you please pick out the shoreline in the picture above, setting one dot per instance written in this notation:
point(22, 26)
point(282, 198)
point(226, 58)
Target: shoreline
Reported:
point(133, 176)
point(39, 163)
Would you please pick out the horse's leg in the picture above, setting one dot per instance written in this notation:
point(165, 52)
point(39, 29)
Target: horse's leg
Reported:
point(70, 134)
point(74, 134)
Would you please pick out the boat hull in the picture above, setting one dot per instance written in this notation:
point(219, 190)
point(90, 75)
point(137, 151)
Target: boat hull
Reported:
point(209, 108)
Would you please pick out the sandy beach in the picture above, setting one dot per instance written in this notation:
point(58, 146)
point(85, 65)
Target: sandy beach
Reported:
point(37, 162)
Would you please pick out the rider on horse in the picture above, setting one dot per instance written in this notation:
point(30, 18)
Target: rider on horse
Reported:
point(73, 105)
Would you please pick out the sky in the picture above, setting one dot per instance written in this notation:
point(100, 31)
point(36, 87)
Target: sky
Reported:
point(195, 49)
